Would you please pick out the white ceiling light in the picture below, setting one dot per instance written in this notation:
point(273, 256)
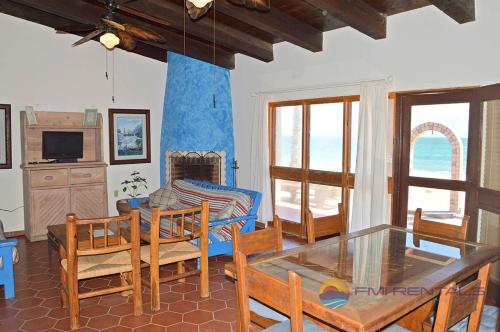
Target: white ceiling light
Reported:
point(200, 3)
point(109, 40)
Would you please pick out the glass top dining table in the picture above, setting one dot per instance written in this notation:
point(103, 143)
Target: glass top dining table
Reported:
point(364, 281)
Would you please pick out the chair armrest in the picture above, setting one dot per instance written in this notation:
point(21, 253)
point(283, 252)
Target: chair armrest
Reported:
point(8, 243)
point(230, 220)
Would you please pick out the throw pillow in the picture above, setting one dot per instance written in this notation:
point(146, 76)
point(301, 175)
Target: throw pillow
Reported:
point(226, 211)
point(163, 197)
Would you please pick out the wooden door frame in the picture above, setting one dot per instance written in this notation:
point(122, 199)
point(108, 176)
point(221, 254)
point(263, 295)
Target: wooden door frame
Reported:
point(486, 199)
point(401, 153)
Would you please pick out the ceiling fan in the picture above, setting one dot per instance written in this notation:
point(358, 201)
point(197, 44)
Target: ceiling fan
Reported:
point(198, 8)
point(113, 33)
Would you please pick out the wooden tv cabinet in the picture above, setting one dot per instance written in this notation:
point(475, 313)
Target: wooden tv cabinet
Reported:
point(52, 190)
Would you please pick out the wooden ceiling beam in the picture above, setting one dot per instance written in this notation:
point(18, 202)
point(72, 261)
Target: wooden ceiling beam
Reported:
point(225, 36)
point(34, 15)
point(275, 22)
point(356, 13)
point(462, 11)
point(83, 12)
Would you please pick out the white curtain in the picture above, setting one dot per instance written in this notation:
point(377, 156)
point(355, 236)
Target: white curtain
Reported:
point(259, 171)
point(370, 204)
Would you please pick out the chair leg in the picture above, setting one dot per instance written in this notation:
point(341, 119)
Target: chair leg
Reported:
point(137, 291)
point(155, 287)
point(180, 270)
point(8, 287)
point(74, 304)
point(204, 291)
point(62, 291)
point(125, 280)
point(239, 328)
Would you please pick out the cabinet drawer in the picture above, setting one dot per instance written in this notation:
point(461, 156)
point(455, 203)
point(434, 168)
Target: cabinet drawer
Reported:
point(49, 178)
point(87, 175)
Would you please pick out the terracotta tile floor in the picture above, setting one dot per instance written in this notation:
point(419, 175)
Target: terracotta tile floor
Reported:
point(36, 306)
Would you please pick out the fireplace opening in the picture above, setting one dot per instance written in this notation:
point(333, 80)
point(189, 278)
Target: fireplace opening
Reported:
point(195, 165)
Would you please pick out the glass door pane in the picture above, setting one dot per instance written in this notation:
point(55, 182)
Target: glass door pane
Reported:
point(326, 136)
point(490, 160)
point(324, 200)
point(439, 141)
point(288, 199)
point(445, 206)
point(288, 136)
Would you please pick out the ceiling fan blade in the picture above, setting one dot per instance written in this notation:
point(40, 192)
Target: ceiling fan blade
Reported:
point(195, 12)
point(262, 5)
point(75, 28)
point(88, 37)
point(126, 41)
point(144, 34)
point(114, 24)
point(123, 2)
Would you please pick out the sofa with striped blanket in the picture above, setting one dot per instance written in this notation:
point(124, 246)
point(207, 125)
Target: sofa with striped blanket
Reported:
point(188, 193)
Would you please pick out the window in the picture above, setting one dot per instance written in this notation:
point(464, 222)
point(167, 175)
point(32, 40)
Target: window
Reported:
point(311, 157)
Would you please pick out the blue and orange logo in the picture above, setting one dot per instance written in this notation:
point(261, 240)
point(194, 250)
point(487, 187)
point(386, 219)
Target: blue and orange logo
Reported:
point(334, 293)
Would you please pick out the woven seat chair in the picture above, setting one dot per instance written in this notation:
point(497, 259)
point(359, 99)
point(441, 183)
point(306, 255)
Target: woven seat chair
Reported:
point(186, 226)
point(103, 252)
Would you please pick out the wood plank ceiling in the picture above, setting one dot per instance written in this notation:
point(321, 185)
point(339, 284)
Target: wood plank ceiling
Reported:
point(237, 29)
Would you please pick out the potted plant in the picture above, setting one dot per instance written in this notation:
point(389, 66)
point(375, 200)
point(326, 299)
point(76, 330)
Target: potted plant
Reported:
point(134, 186)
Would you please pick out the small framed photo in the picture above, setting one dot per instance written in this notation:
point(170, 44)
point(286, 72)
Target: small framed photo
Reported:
point(90, 117)
point(31, 116)
point(129, 136)
point(5, 137)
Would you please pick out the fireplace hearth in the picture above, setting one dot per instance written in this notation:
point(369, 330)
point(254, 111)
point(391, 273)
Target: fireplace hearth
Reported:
point(197, 165)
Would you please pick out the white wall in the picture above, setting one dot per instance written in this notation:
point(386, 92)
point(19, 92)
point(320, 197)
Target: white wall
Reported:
point(41, 69)
point(423, 49)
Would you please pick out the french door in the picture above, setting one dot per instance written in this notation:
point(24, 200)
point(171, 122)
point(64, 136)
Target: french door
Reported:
point(448, 156)
point(437, 169)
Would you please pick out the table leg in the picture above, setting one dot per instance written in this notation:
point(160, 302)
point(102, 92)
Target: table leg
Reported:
point(414, 321)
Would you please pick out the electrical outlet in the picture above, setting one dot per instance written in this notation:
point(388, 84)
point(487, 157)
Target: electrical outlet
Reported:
point(116, 193)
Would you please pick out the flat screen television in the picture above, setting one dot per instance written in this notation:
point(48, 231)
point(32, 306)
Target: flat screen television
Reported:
point(62, 146)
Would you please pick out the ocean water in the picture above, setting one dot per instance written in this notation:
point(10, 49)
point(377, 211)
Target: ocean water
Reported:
point(430, 154)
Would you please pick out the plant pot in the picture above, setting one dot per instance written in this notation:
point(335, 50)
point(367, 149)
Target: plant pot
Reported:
point(123, 206)
point(134, 202)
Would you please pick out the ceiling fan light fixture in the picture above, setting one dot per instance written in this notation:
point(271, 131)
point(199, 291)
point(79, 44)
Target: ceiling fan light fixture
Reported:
point(200, 3)
point(109, 40)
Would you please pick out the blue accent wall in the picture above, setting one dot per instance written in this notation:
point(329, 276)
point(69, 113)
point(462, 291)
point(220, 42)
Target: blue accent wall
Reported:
point(190, 121)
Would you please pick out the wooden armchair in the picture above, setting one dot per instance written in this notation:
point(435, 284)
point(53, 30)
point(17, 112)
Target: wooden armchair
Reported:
point(286, 297)
point(104, 251)
point(325, 226)
point(434, 228)
point(184, 227)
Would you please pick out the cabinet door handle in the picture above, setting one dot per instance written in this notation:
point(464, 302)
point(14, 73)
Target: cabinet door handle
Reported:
point(49, 178)
point(86, 175)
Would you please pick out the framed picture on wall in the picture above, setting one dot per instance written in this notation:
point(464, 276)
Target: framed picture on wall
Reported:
point(129, 136)
point(5, 137)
